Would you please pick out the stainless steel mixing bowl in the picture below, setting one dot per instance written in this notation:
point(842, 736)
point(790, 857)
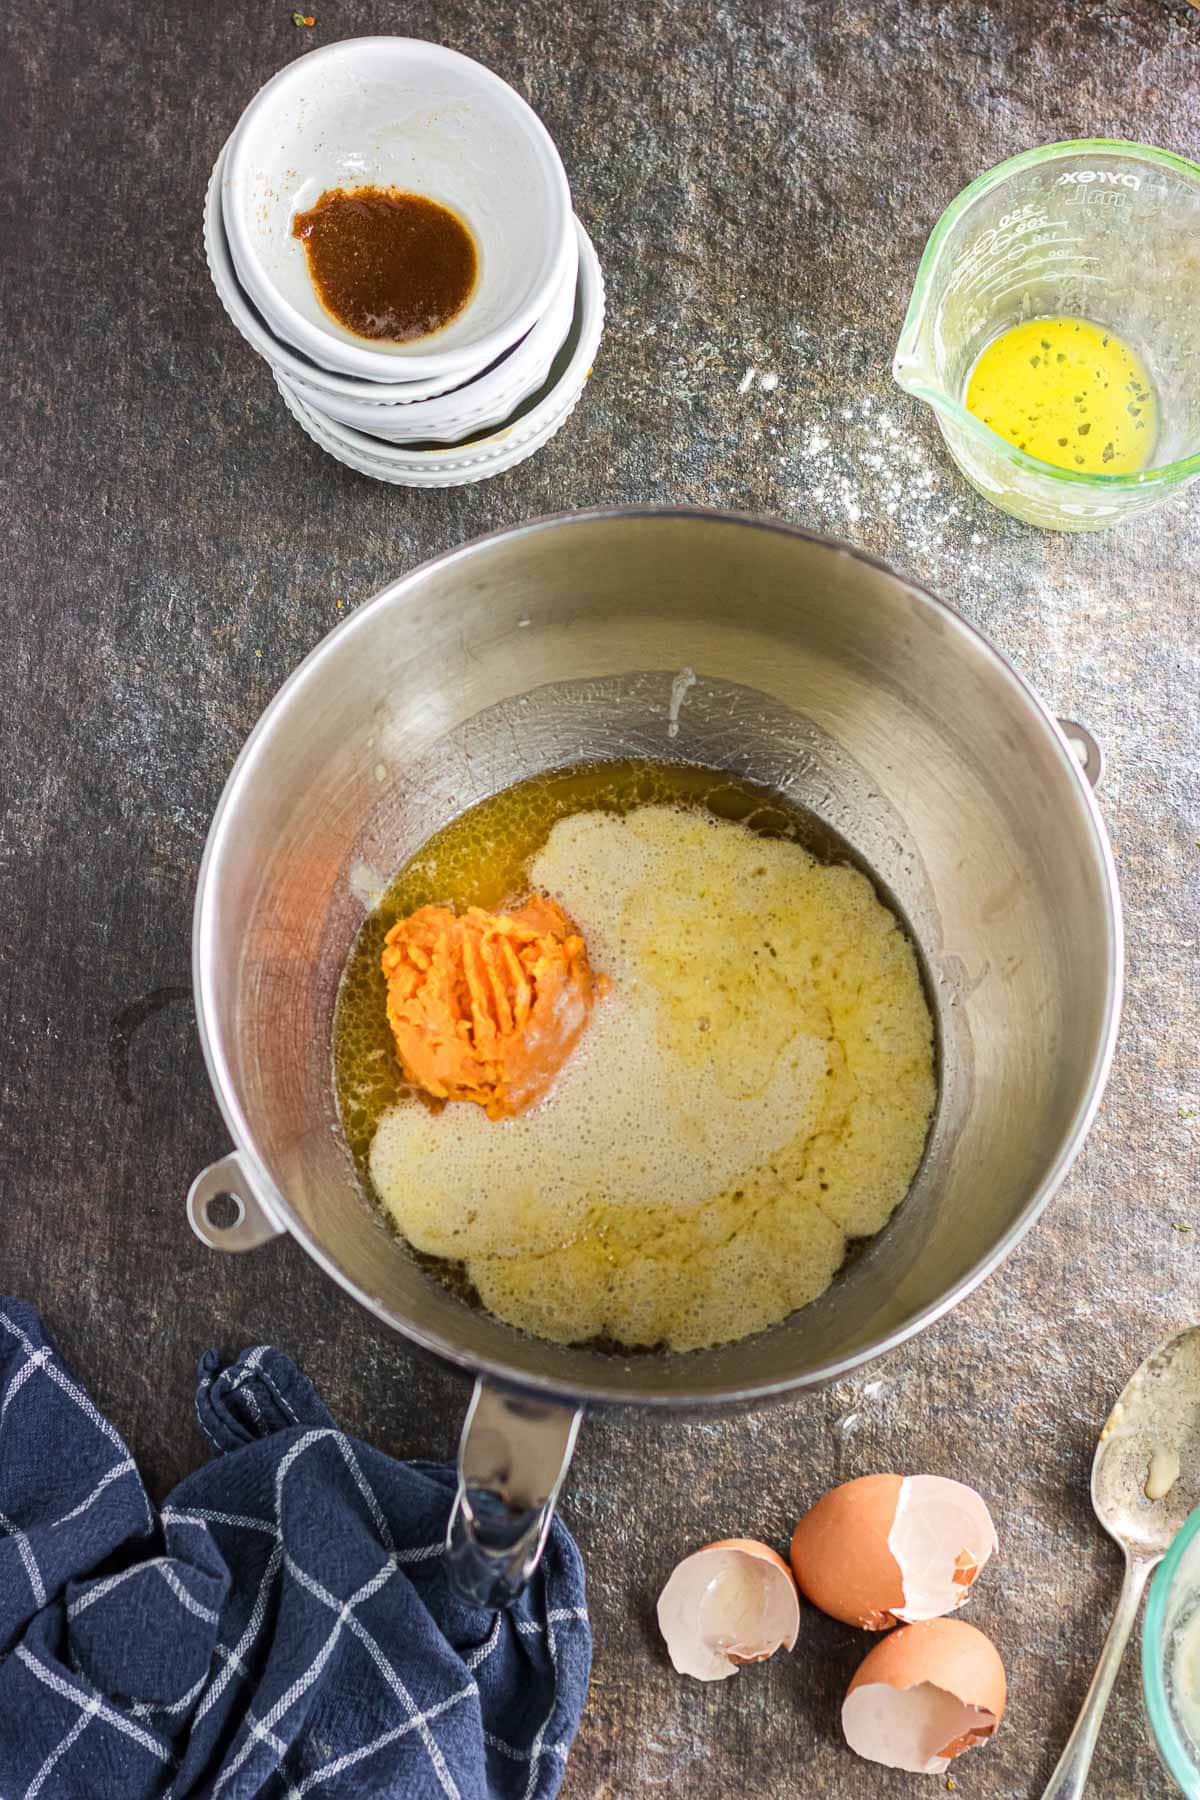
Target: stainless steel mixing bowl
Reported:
point(816, 670)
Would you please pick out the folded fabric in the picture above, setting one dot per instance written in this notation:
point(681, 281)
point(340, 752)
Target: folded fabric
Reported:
point(282, 1626)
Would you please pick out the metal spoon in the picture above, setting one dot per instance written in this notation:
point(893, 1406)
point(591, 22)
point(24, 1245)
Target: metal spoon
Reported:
point(1150, 1445)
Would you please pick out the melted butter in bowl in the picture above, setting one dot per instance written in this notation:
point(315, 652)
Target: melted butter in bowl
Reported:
point(752, 1092)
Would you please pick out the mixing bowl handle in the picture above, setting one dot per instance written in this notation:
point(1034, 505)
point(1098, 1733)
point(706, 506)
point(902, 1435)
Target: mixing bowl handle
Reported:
point(513, 1455)
point(1088, 753)
point(252, 1224)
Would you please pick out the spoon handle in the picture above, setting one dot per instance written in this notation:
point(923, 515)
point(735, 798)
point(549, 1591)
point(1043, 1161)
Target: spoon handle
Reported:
point(1070, 1776)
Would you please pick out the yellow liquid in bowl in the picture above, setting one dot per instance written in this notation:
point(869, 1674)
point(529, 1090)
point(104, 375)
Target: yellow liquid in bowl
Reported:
point(752, 1094)
point(1068, 392)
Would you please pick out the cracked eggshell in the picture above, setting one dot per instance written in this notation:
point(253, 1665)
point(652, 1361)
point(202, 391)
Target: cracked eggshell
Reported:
point(731, 1603)
point(890, 1548)
point(840, 1554)
point(924, 1695)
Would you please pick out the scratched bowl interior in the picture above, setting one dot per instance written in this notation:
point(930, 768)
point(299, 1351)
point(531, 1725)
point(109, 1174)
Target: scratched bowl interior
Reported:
point(818, 672)
point(404, 113)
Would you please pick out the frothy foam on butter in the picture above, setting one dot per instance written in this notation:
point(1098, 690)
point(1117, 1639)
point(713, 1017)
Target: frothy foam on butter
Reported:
point(756, 1088)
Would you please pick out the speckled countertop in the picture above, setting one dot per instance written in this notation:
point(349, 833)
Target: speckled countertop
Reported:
point(759, 180)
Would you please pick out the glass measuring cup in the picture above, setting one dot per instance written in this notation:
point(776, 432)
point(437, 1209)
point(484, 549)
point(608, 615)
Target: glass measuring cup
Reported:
point(1094, 229)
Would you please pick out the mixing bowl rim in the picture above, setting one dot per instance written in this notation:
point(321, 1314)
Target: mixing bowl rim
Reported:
point(599, 1391)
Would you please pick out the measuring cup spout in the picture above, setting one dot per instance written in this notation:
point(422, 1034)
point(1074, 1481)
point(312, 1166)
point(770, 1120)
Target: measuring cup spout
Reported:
point(920, 365)
point(914, 366)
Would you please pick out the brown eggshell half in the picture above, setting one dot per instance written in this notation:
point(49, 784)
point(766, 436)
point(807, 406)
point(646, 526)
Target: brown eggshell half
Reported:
point(924, 1695)
point(712, 1643)
point(840, 1554)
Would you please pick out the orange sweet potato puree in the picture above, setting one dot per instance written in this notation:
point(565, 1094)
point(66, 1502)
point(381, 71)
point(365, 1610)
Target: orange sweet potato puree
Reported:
point(487, 1006)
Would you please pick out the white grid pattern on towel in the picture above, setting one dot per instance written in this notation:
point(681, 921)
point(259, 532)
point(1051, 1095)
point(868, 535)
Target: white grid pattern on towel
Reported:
point(92, 1703)
point(37, 1360)
point(206, 1516)
point(28, 1559)
point(416, 1721)
point(258, 1731)
point(162, 1564)
point(476, 1658)
point(345, 1616)
point(186, 1600)
point(535, 1749)
point(144, 1708)
point(128, 1467)
point(234, 1663)
point(341, 1763)
point(262, 1730)
point(81, 1724)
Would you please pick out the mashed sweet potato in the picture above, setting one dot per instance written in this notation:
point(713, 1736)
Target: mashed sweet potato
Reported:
point(487, 1006)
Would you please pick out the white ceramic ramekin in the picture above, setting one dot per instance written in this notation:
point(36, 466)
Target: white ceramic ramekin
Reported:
point(524, 432)
point(398, 112)
point(487, 400)
point(282, 358)
point(383, 407)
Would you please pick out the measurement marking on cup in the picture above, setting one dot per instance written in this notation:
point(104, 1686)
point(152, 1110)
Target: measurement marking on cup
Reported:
point(1097, 197)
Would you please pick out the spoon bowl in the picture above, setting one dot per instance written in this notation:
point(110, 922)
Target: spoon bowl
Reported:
point(1153, 1431)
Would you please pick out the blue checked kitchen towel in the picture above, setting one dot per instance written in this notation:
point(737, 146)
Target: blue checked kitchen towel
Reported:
point(282, 1626)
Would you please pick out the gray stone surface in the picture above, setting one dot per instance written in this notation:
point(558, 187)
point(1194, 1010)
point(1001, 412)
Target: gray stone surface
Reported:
point(759, 181)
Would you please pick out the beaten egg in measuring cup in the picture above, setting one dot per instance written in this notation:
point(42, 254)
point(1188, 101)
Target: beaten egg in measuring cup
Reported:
point(1069, 392)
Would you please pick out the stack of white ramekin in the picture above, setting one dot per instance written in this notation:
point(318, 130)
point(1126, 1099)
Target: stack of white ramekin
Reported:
point(499, 380)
